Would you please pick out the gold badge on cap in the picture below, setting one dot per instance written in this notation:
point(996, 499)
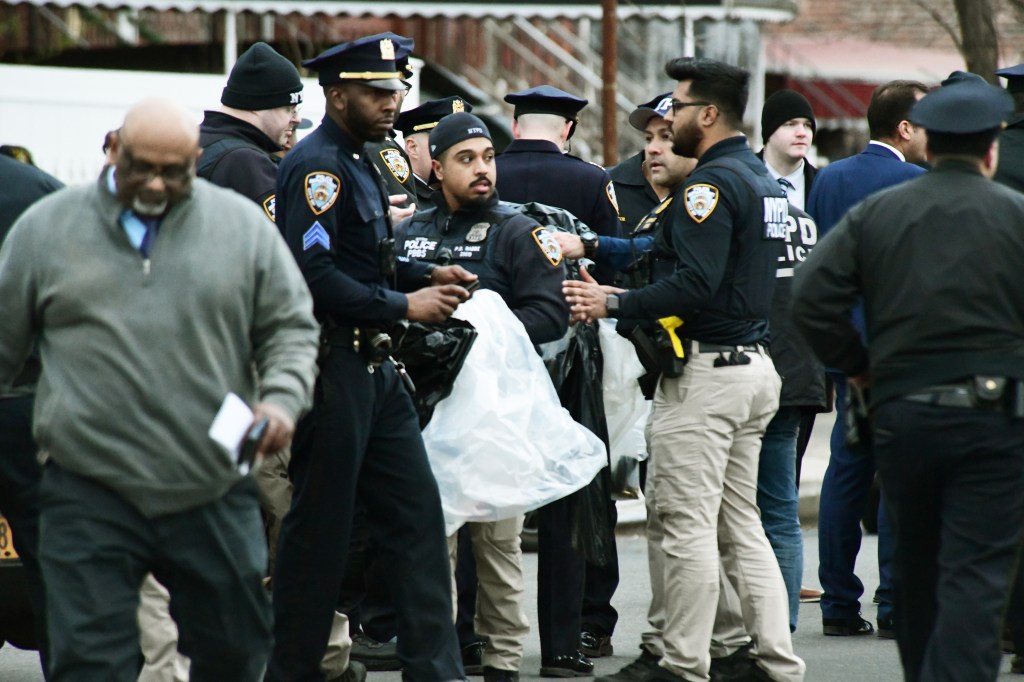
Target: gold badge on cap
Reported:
point(458, 106)
point(387, 49)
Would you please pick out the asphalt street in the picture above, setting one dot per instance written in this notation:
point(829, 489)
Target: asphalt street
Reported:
point(829, 659)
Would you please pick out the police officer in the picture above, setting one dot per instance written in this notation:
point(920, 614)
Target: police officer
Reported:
point(517, 258)
point(20, 474)
point(387, 154)
point(535, 167)
point(633, 257)
point(1011, 140)
point(258, 114)
point(709, 415)
point(944, 364)
point(635, 190)
point(416, 125)
point(362, 433)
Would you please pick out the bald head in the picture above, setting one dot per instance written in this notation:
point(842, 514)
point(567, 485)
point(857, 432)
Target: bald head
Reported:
point(155, 154)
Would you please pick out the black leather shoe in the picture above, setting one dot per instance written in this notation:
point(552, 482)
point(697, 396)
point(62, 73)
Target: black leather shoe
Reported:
point(497, 675)
point(846, 627)
point(725, 668)
point(473, 658)
point(594, 645)
point(745, 671)
point(1017, 664)
point(639, 670)
point(374, 655)
point(355, 672)
point(885, 630)
point(572, 665)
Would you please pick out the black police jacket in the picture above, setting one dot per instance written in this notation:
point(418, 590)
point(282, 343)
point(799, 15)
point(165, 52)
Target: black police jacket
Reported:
point(727, 231)
point(239, 156)
point(1010, 171)
point(636, 198)
point(803, 376)
point(937, 260)
point(510, 252)
point(537, 170)
point(333, 213)
point(394, 167)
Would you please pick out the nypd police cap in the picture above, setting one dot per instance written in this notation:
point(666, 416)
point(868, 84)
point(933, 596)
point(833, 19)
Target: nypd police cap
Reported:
point(369, 60)
point(425, 117)
point(960, 77)
point(453, 129)
point(545, 99)
point(963, 108)
point(1014, 76)
point(403, 50)
point(642, 115)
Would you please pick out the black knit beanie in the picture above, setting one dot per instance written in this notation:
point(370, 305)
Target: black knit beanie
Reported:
point(781, 107)
point(262, 79)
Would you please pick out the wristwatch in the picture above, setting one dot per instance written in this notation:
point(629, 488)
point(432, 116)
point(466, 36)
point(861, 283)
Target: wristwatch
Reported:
point(612, 304)
point(589, 239)
point(429, 274)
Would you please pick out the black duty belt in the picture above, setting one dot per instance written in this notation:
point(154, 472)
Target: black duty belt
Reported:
point(702, 347)
point(949, 395)
point(990, 393)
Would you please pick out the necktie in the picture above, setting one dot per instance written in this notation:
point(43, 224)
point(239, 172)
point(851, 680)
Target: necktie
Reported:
point(786, 185)
point(152, 224)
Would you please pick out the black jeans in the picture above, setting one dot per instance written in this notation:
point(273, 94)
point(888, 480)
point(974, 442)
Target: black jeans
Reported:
point(362, 435)
point(954, 482)
point(95, 551)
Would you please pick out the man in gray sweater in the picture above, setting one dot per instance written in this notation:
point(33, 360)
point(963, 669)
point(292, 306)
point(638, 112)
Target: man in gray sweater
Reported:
point(155, 295)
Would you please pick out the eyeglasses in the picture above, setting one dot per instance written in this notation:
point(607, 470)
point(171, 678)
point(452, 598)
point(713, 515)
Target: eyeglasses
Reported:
point(678, 106)
point(145, 171)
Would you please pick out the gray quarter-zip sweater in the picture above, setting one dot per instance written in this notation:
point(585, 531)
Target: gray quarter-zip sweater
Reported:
point(138, 354)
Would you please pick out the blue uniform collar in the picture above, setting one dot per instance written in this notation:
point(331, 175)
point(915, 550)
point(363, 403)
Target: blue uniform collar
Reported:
point(532, 146)
point(346, 143)
point(725, 147)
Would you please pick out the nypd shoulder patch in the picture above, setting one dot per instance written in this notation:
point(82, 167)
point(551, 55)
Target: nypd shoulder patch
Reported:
point(610, 191)
point(701, 201)
point(546, 241)
point(316, 234)
point(322, 189)
point(270, 207)
point(396, 163)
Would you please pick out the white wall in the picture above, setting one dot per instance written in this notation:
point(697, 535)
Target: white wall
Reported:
point(62, 114)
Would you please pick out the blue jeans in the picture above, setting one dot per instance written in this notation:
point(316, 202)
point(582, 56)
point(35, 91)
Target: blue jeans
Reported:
point(777, 499)
point(844, 492)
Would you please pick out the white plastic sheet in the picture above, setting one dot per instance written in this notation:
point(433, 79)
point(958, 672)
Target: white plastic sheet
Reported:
point(625, 409)
point(501, 444)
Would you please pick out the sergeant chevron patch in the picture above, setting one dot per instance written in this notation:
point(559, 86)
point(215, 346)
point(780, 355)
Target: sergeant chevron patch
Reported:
point(316, 235)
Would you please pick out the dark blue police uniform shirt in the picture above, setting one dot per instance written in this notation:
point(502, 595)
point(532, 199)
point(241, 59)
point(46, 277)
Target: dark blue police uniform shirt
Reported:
point(332, 211)
point(728, 233)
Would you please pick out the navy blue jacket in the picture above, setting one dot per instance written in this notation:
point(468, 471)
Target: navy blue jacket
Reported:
point(333, 213)
point(636, 198)
point(728, 230)
point(841, 185)
point(537, 170)
point(511, 253)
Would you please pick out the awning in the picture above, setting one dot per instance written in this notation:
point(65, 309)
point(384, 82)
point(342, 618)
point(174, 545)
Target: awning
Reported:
point(756, 10)
point(838, 77)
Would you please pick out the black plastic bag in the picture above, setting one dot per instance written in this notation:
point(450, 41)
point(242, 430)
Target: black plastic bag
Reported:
point(576, 372)
point(433, 355)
